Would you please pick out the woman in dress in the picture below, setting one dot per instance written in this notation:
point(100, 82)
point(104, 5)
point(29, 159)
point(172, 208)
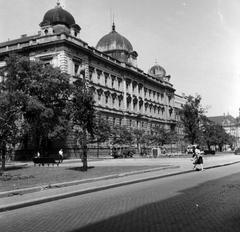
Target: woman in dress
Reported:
point(198, 158)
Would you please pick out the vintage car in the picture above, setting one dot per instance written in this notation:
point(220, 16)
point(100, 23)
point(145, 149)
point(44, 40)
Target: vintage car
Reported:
point(237, 151)
point(209, 152)
point(123, 152)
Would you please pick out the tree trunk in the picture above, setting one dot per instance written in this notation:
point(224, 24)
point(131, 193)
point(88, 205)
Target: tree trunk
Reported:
point(3, 148)
point(97, 148)
point(138, 147)
point(209, 147)
point(220, 147)
point(84, 149)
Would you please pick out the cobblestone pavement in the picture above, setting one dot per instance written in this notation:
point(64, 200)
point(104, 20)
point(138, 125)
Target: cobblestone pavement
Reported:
point(196, 201)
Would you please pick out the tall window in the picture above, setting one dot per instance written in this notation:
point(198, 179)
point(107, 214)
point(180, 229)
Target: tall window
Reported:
point(106, 100)
point(99, 99)
point(113, 101)
point(46, 60)
point(113, 80)
point(98, 76)
point(133, 87)
point(134, 106)
point(106, 80)
point(139, 90)
point(127, 86)
point(128, 105)
point(119, 84)
point(76, 69)
point(145, 92)
point(150, 93)
point(120, 103)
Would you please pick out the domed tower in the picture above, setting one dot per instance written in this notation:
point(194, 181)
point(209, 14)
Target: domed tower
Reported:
point(159, 73)
point(58, 20)
point(118, 47)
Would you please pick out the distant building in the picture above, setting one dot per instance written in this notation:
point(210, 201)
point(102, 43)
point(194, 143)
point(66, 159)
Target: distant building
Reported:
point(229, 124)
point(123, 93)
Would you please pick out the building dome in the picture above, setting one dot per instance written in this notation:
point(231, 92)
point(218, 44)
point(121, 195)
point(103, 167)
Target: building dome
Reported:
point(159, 73)
point(114, 41)
point(118, 47)
point(58, 20)
point(157, 70)
point(58, 15)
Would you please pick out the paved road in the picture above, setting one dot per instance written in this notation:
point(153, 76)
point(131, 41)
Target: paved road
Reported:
point(196, 201)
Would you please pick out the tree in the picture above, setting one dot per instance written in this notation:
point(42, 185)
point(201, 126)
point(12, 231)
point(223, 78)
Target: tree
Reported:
point(231, 141)
point(163, 136)
point(83, 114)
point(215, 135)
point(139, 136)
point(121, 135)
point(221, 137)
point(208, 132)
point(191, 114)
point(46, 90)
point(238, 120)
point(102, 130)
point(10, 121)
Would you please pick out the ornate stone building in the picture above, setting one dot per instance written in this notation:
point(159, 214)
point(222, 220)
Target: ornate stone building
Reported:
point(124, 94)
point(229, 124)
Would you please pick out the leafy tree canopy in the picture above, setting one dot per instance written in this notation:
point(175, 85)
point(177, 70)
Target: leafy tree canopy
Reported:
point(46, 91)
point(121, 135)
point(83, 113)
point(102, 130)
point(191, 114)
point(162, 135)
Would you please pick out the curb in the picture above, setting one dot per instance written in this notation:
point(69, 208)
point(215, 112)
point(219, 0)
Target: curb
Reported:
point(77, 182)
point(105, 187)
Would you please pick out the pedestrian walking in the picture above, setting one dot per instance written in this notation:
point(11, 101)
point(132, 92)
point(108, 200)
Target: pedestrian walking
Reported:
point(193, 151)
point(198, 160)
point(37, 155)
point(60, 155)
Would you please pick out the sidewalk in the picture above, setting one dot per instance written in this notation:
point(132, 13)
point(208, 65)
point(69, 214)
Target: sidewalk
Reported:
point(176, 166)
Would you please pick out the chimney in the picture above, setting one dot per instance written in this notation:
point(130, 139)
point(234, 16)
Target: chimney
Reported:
point(23, 36)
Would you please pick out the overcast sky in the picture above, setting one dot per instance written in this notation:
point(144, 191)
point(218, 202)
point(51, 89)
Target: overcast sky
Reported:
point(195, 41)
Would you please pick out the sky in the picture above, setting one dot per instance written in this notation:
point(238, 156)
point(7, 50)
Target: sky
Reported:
point(197, 42)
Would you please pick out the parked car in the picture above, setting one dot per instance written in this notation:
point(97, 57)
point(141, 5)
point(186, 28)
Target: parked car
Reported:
point(123, 152)
point(209, 152)
point(237, 151)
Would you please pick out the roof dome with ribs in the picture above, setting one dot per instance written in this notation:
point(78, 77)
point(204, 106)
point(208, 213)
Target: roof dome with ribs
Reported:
point(157, 71)
point(113, 42)
point(58, 15)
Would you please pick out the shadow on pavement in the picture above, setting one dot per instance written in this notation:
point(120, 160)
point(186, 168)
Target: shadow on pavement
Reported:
point(207, 207)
